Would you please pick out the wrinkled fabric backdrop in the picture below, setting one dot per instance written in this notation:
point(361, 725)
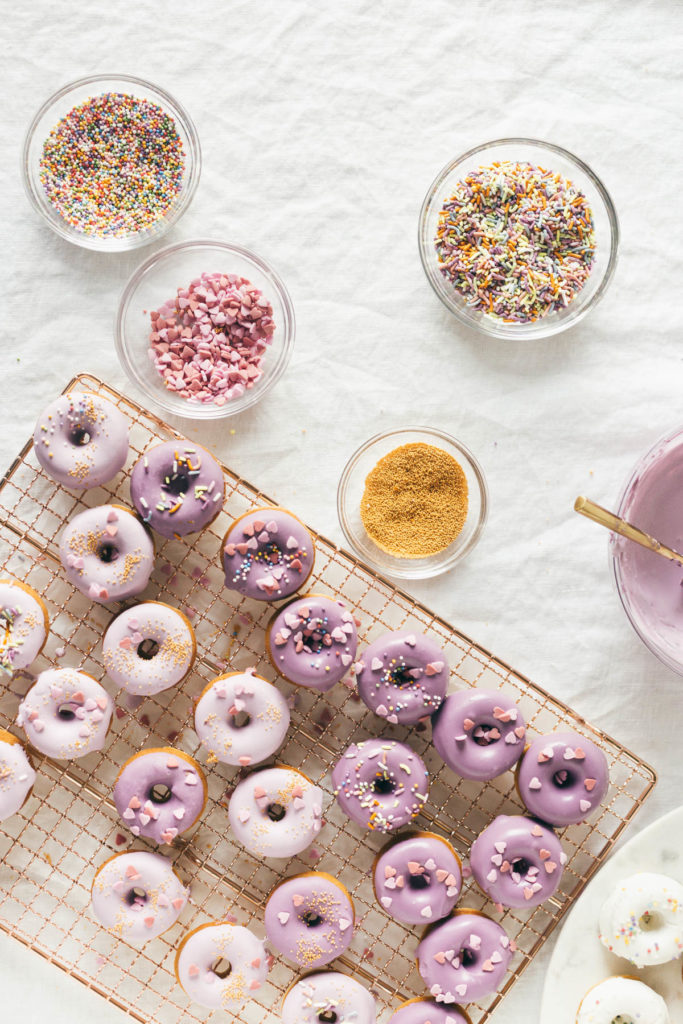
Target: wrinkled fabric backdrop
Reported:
point(322, 125)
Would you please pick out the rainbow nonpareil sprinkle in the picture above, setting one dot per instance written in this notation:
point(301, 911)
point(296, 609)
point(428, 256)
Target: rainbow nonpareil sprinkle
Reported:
point(517, 241)
point(113, 165)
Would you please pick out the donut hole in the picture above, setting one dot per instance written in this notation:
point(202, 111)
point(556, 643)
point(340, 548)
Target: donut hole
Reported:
point(177, 483)
point(328, 1017)
point(147, 649)
point(467, 957)
point(276, 812)
point(311, 919)
point(136, 895)
point(420, 881)
point(160, 793)
point(67, 711)
point(221, 967)
point(651, 921)
point(313, 636)
point(520, 865)
point(107, 552)
point(383, 784)
point(563, 778)
point(401, 677)
point(240, 719)
point(482, 735)
point(79, 435)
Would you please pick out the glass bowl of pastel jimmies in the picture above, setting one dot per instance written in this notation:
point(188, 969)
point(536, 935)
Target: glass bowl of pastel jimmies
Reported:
point(518, 238)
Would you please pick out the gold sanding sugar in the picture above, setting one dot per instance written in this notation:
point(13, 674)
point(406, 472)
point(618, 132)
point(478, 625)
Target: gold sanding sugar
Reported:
point(415, 501)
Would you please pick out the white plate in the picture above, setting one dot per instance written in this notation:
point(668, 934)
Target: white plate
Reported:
point(579, 959)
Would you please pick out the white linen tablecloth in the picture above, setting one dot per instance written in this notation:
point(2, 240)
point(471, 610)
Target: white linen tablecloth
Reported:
point(322, 126)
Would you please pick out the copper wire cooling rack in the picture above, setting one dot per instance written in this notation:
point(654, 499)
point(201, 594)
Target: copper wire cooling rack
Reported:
point(49, 851)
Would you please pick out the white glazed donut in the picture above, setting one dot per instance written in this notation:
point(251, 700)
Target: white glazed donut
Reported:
point(107, 553)
point(16, 775)
point(622, 999)
point(66, 714)
point(241, 718)
point(23, 625)
point(276, 812)
point(81, 440)
point(221, 965)
point(328, 996)
point(148, 648)
point(137, 895)
point(642, 920)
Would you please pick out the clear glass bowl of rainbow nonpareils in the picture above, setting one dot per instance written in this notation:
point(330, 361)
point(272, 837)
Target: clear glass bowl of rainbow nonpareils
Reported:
point(518, 238)
point(204, 329)
point(111, 162)
point(412, 502)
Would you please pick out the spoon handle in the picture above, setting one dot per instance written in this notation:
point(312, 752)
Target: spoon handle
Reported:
point(607, 519)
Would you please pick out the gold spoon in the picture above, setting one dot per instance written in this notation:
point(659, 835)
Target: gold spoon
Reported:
point(601, 516)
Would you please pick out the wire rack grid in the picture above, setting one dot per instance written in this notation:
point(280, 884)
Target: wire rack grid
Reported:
point(49, 850)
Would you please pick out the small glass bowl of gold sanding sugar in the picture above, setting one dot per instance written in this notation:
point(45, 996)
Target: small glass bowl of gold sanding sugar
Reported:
point(412, 502)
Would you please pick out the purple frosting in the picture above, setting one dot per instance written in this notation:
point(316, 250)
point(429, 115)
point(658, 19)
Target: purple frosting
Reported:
point(479, 733)
point(426, 1011)
point(464, 958)
point(418, 879)
point(268, 554)
point(312, 641)
point(562, 778)
point(177, 487)
point(517, 861)
point(141, 793)
point(402, 677)
point(381, 784)
point(309, 919)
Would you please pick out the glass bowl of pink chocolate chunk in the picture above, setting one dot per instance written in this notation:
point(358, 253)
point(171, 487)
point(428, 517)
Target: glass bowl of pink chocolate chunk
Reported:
point(204, 329)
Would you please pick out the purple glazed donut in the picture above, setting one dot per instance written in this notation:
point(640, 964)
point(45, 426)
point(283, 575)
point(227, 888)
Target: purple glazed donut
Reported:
point(402, 677)
point(107, 553)
point(81, 440)
point(479, 733)
point(464, 958)
point(417, 878)
point(309, 919)
point(562, 778)
point(177, 487)
point(426, 1011)
point(312, 641)
point(517, 862)
point(380, 784)
point(268, 554)
point(160, 793)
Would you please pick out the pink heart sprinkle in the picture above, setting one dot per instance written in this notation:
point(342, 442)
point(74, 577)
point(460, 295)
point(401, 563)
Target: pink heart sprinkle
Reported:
point(544, 854)
point(178, 903)
point(487, 966)
point(193, 971)
point(468, 724)
point(112, 516)
point(590, 784)
point(585, 805)
point(550, 866)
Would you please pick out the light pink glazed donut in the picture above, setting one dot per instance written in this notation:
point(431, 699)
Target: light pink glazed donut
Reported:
point(276, 812)
point(221, 965)
point(23, 625)
point(66, 714)
point(241, 718)
point(16, 775)
point(137, 895)
point(148, 648)
point(81, 440)
point(107, 553)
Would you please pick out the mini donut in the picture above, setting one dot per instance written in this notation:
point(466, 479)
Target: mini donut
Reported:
point(622, 999)
point(517, 862)
point(276, 812)
point(562, 778)
point(81, 440)
point(16, 775)
point(328, 997)
point(417, 878)
point(148, 648)
point(66, 714)
point(221, 965)
point(268, 554)
point(464, 958)
point(312, 641)
point(160, 793)
point(642, 919)
point(177, 488)
point(380, 784)
point(107, 553)
point(309, 919)
point(241, 718)
point(402, 677)
point(479, 733)
point(426, 1011)
point(137, 895)
point(24, 625)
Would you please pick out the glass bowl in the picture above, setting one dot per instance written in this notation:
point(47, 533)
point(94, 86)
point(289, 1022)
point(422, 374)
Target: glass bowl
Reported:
point(542, 154)
point(158, 280)
point(352, 485)
point(650, 587)
point(57, 107)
